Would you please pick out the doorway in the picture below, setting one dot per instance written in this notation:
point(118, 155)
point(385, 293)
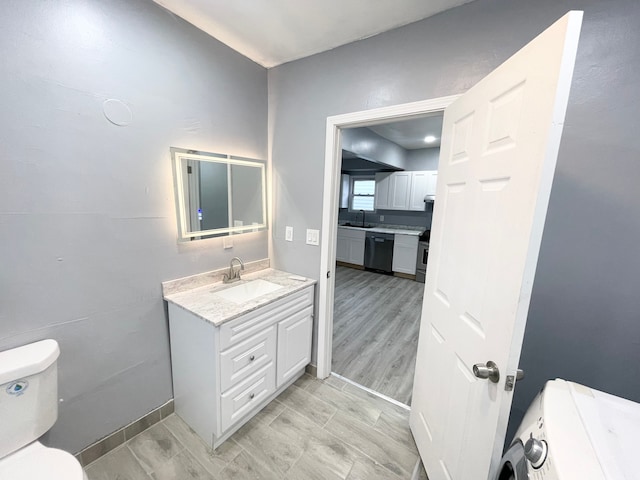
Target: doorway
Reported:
point(333, 163)
point(388, 180)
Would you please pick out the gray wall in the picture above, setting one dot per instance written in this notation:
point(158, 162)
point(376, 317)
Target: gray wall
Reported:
point(584, 317)
point(371, 146)
point(87, 218)
point(423, 159)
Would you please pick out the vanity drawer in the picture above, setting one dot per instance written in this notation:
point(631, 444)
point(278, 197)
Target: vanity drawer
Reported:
point(245, 358)
point(244, 397)
point(252, 323)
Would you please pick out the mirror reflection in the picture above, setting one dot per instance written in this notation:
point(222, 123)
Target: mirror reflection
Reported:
point(218, 194)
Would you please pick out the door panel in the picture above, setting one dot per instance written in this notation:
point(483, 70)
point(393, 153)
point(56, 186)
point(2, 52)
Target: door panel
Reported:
point(499, 148)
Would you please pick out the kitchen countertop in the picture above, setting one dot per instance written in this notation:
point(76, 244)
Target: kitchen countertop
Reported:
point(203, 301)
point(395, 229)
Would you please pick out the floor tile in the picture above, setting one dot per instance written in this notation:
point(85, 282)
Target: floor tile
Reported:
point(390, 454)
point(335, 382)
point(304, 381)
point(320, 430)
point(367, 469)
point(270, 449)
point(213, 460)
point(358, 407)
point(154, 446)
point(323, 450)
point(303, 402)
point(380, 403)
point(310, 467)
point(182, 466)
point(422, 473)
point(119, 463)
point(396, 426)
point(244, 467)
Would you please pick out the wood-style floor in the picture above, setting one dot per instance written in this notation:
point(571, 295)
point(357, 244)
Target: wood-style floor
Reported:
point(315, 430)
point(376, 319)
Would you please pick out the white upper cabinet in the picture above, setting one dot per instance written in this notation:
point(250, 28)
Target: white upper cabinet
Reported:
point(404, 190)
point(400, 190)
point(383, 184)
point(422, 184)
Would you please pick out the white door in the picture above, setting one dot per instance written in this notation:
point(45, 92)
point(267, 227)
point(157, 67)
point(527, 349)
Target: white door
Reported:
point(499, 147)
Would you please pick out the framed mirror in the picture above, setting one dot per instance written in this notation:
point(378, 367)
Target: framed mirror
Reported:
point(218, 194)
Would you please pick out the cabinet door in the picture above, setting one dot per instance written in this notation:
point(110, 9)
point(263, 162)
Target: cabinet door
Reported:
point(419, 188)
point(342, 248)
point(405, 252)
point(294, 344)
point(399, 190)
point(432, 182)
point(356, 251)
point(383, 183)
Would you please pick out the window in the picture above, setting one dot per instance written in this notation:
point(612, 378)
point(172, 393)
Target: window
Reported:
point(363, 191)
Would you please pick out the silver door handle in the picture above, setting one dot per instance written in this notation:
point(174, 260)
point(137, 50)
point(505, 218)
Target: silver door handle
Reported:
point(490, 371)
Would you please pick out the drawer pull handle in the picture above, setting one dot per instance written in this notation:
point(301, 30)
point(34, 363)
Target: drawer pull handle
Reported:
point(252, 395)
point(252, 358)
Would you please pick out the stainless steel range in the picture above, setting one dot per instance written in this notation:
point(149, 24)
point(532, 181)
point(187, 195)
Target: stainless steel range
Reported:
point(423, 255)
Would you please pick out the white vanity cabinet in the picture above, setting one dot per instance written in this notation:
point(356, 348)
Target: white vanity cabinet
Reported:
point(405, 251)
point(350, 246)
point(223, 375)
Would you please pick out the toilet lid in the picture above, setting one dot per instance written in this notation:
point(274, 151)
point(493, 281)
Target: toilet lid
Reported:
point(37, 462)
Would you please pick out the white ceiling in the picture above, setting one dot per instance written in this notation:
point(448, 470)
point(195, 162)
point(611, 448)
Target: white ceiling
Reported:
point(271, 32)
point(410, 134)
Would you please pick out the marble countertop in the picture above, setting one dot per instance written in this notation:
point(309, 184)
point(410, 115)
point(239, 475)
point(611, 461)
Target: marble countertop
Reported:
point(395, 229)
point(203, 301)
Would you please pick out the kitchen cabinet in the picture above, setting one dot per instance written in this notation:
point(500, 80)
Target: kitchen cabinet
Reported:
point(350, 246)
point(224, 374)
point(404, 190)
point(383, 183)
point(405, 252)
point(422, 184)
point(400, 190)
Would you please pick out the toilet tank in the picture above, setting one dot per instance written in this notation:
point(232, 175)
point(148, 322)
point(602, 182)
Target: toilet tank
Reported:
point(28, 394)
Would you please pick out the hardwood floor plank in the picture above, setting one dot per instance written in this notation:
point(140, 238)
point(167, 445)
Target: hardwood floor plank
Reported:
point(375, 332)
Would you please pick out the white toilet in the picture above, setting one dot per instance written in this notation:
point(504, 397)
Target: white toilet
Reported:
point(29, 408)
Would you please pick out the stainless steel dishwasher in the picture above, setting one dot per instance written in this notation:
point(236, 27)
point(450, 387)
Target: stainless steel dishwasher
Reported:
point(378, 251)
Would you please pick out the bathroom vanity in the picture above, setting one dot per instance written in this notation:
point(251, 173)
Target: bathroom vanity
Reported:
point(235, 347)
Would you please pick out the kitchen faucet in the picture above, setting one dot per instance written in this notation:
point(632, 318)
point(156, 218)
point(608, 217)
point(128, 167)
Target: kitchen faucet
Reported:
point(233, 275)
point(362, 217)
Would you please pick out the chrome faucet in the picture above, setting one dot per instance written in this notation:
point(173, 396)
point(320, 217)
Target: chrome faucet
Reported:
point(233, 275)
point(362, 217)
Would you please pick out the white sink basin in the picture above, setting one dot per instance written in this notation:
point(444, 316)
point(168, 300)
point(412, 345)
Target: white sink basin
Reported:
point(248, 291)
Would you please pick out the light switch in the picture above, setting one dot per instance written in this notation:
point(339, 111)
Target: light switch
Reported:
point(288, 234)
point(227, 242)
point(313, 237)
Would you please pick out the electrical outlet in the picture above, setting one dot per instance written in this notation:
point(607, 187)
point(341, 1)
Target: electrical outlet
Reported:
point(288, 234)
point(313, 237)
point(382, 218)
point(227, 242)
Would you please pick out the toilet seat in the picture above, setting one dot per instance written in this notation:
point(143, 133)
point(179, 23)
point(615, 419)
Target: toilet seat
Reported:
point(37, 462)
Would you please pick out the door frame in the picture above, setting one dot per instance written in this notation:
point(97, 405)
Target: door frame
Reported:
point(330, 202)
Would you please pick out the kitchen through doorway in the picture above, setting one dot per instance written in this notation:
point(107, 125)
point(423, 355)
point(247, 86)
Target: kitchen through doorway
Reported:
point(388, 178)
